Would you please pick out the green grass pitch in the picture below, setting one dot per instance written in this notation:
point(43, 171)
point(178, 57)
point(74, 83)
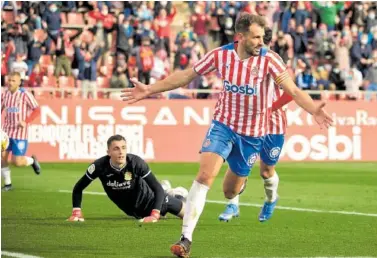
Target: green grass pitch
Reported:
point(34, 214)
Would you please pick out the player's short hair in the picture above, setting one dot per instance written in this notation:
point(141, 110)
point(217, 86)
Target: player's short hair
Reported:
point(113, 138)
point(267, 36)
point(246, 20)
point(15, 74)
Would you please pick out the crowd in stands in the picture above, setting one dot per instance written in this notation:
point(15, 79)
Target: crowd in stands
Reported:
point(95, 45)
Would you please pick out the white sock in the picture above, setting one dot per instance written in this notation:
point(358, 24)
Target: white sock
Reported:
point(235, 200)
point(29, 161)
point(5, 172)
point(271, 187)
point(195, 202)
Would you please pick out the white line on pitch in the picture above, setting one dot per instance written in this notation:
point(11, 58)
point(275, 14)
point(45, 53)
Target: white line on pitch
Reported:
point(18, 255)
point(258, 205)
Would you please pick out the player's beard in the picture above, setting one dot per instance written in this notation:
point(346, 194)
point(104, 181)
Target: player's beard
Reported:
point(252, 51)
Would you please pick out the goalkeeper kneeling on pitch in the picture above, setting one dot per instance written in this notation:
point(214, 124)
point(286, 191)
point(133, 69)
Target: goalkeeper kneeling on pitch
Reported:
point(130, 184)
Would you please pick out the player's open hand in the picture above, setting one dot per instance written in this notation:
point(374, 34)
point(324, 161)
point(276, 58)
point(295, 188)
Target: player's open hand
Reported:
point(322, 117)
point(154, 217)
point(139, 92)
point(76, 215)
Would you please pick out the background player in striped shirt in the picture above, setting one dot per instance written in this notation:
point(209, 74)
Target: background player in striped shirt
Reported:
point(269, 155)
point(241, 113)
point(20, 109)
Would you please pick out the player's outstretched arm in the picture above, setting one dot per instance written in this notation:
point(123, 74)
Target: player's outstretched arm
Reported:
point(159, 196)
point(77, 199)
point(173, 81)
point(306, 102)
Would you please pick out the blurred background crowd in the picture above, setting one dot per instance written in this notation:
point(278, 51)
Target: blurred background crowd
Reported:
point(85, 48)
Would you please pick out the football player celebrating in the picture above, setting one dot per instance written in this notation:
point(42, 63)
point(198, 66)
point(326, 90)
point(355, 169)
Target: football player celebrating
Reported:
point(129, 183)
point(20, 108)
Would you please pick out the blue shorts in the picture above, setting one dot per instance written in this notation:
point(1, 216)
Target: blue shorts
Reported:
point(272, 146)
point(17, 147)
point(239, 151)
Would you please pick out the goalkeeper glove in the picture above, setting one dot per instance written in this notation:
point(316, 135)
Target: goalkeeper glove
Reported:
point(154, 217)
point(76, 215)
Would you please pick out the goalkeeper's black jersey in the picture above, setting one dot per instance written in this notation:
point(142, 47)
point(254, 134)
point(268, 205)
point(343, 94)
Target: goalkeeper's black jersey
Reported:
point(126, 186)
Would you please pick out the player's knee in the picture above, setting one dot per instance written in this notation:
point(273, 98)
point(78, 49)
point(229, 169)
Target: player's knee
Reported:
point(18, 162)
point(4, 163)
point(206, 176)
point(267, 171)
point(230, 193)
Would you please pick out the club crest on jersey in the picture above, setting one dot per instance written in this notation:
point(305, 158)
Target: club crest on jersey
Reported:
point(128, 176)
point(254, 71)
point(243, 89)
point(21, 145)
point(91, 168)
point(274, 152)
point(251, 160)
point(207, 143)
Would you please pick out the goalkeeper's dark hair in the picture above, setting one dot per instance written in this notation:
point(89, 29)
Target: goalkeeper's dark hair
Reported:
point(267, 36)
point(113, 138)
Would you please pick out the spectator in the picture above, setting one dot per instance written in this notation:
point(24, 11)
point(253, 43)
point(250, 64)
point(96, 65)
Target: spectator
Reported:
point(125, 33)
point(145, 30)
point(9, 48)
point(34, 21)
point(371, 20)
point(306, 80)
point(361, 53)
point(36, 47)
point(88, 70)
point(62, 61)
point(187, 32)
point(324, 42)
point(281, 46)
point(342, 51)
point(20, 36)
point(105, 23)
point(323, 79)
point(36, 77)
point(52, 23)
point(119, 78)
point(300, 41)
point(144, 56)
point(336, 78)
point(183, 54)
point(161, 65)
point(20, 66)
point(327, 12)
point(144, 13)
point(199, 21)
point(353, 81)
point(371, 77)
point(162, 26)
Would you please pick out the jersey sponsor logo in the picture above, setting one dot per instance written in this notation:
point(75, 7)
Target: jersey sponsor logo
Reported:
point(251, 160)
point(243, 89)
point(21, 145)
point(167, 199)
point(128, 176)
point(13, 110)
point(274, 152)
point(118, 186)
point(91, 168)
point(207, 143)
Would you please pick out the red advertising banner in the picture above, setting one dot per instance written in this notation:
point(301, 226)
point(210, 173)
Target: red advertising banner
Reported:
point(173, 130)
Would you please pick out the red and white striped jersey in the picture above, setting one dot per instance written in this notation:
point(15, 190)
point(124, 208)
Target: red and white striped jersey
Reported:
point(17, 107)
point(248, 91)
point(277, 123)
